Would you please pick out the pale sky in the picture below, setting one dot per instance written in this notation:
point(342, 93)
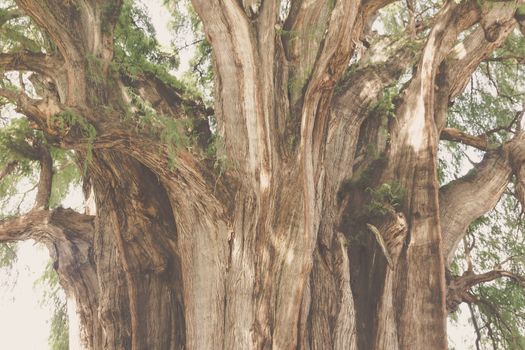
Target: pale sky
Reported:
point(24, 322)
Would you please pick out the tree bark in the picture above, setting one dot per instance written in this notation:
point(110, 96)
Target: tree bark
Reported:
point(308, 240)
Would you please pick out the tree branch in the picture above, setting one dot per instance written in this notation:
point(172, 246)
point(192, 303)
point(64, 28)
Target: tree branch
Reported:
point(44, 183)
point(456, 70)
point(354, 96)
point(463, 200)
point(458, 288)
point(39, 111)
point(475, 324)
point(456, 135)
point(41, 224)
point(30, 61)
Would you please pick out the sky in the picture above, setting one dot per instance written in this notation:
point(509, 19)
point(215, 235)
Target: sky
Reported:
point(24, 321)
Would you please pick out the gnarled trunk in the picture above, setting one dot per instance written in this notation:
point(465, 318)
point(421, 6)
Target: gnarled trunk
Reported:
point(325, 230)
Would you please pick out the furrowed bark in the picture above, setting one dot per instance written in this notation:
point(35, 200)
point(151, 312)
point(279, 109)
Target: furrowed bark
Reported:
point(136, 244)
point(350, 107)
point(264, 254)
point(235, 55)
point(411, 161)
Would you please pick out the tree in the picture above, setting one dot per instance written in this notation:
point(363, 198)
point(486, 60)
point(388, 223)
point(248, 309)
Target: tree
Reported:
point(308, 207)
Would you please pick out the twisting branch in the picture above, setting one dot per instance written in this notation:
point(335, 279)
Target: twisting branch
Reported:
point(459, 287)
point(455, 71)
point(31, 61)
point(411, 24)
point(480, 141)
point(469, 197)
point(39, 111)
point(38, 224)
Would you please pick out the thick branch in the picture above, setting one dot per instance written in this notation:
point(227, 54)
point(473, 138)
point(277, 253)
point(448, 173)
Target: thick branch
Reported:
point(466, 199)
point(452, 134)
point(30, 61)
point(458, 287)
point(39, 111)
point(302, 35)
point(55, 22)
point(81, 30)
point(40, 224)
point(242, 118)
point(497, 21)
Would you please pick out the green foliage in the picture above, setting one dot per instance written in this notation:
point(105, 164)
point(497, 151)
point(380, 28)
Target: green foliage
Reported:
point(385, 196)
point(297, 82)
point(215, 151)
point(189, 34)
point(8, 255)
point(66, 174)
point(94, 70)
point(386, 104)
point(172, 136)
point(137, 51)
point(136, 48)
point(520, 12)
point(16, 138)
point(69, 121)
point(172, 132)
point(19, 33)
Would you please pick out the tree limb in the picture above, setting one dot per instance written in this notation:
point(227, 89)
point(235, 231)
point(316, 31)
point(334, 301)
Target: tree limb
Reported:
point(456, 70)
point(475, 324)
point(458, 288)
point(354, 96)
point(39, 224)
point(31, 61)
point(44, 183)
point(39, 111)
point(456, 135)
point(463, 200)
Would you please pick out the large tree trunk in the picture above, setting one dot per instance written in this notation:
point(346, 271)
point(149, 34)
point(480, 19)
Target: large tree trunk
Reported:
point(308, 240)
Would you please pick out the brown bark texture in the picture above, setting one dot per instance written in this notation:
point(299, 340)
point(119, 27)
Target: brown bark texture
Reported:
point(294, 244)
